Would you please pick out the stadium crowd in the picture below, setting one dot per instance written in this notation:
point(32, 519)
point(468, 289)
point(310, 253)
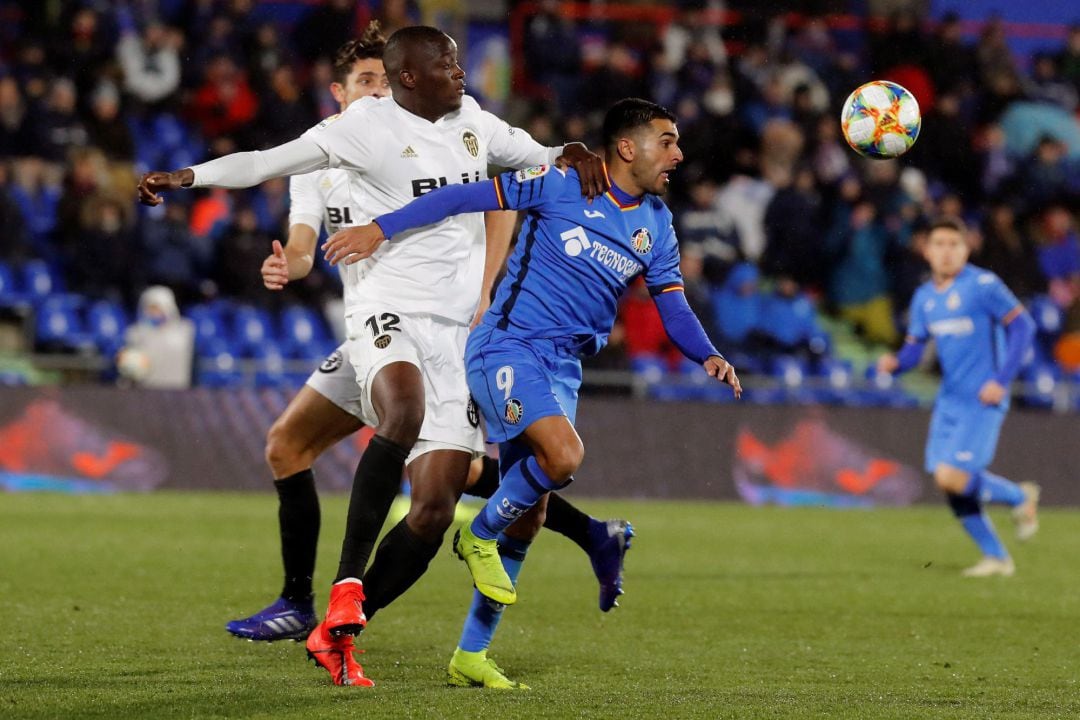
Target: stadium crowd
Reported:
point(787, 236)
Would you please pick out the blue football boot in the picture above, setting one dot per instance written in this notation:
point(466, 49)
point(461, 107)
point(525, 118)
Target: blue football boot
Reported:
point(610, 541)
point(283, 620)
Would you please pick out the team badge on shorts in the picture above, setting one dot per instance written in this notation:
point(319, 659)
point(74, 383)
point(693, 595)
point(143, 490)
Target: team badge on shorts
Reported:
point(471, 142)
point(514, 411)
point(383, 341)
point(332, 362)
point(472, 413)
point(641, 241)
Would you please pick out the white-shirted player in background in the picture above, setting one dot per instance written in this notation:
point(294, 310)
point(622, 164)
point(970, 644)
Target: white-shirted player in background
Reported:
point(328, 407)
point(409, 306)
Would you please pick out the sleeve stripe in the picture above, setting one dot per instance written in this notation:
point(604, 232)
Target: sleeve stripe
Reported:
point(499, 193)
point(669, 287)
point(1012, 314)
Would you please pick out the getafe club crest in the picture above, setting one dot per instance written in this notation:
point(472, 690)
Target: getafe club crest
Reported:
point(514, 411)
point(471, 142)
point(641, 241)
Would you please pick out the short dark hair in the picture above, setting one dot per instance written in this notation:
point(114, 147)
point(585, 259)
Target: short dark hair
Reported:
point(948, 223)
point(370, 46)
point(407, 37)
point(629, 114)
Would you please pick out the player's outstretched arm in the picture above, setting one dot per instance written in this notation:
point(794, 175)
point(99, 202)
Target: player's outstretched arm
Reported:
point(685, 331)
point(238, 170)
point(351, 245)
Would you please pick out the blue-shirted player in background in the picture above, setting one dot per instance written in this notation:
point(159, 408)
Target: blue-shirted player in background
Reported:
point(982, 334)
point(557, 303)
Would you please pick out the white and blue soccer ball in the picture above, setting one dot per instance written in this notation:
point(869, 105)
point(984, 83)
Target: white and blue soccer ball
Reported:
point(881, 120)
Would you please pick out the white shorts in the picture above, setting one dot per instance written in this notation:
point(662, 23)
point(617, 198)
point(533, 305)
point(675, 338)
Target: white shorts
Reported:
point(378, 336)
point(335, 380)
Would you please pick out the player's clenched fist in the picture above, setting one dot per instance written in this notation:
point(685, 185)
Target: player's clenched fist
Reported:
point(156, 181)
point(723, 371)
point(275, 268)
point(351, 245)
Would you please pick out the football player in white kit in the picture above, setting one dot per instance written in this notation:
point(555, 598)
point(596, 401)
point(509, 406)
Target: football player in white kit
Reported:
point(328, 407)
point(408, 307)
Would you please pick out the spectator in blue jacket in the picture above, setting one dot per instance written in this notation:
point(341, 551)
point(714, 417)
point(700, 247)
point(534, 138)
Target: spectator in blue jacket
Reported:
point(737, 305)
point(859, 285)
point(789, 323)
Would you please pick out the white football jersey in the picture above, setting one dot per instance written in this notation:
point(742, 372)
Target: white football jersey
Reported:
point(394, 157)
point(325, 198)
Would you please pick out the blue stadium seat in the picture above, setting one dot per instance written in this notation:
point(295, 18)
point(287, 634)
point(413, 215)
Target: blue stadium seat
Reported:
point(10, 295)
point(252, 327)
point(59, 327)
point(1039, 384)
point(1048, 317)
point(40, 281)
point(302, 326)
point(650, 368)
point(270, 365)
point(106, 322)
point(218, 365)
point(209, 324)
point(836, 374)
point(791, 371)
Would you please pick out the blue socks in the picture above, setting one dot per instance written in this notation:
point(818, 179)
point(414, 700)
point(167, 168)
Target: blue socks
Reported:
point(982, 532)
point(984, 487)
point(484, 615)
point(521, 487)
point(996, 489)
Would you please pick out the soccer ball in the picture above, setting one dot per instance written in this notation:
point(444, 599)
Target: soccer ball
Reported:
point(133, 364)
point(881, 120)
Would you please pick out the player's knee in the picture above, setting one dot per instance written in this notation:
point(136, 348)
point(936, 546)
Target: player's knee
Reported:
point(431, 517)
point(950, 479)
point(401, 424)
point(562, 460)
point(284, 454)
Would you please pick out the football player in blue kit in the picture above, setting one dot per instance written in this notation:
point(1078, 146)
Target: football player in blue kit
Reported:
point(982, 333)
point(557, 303)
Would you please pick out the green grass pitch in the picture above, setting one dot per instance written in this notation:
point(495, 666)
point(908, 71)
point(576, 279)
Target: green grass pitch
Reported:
point(113, 607)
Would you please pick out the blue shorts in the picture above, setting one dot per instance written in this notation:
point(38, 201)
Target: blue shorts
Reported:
point(516, 381)
point(963, 434)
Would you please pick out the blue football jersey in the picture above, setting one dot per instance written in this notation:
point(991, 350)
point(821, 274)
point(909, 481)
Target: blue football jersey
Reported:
point(574, 259)
point(965, 320)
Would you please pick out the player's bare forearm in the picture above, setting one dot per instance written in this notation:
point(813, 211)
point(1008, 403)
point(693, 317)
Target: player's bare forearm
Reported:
point(300, 251)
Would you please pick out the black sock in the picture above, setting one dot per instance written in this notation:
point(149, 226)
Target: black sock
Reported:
point(400, 561)
point(565, 519)
point(377, 481)
point(488, 482)
point(298, 521)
